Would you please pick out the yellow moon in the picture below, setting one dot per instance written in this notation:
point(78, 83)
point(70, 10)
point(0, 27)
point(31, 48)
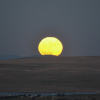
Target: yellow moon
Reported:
point(50, 46)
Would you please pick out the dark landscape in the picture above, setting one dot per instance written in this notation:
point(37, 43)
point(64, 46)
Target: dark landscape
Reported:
point(50, 75)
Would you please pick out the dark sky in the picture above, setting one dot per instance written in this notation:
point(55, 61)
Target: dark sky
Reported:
point(23, 23)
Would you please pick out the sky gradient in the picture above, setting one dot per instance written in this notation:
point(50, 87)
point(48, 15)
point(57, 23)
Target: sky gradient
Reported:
point(76, 23)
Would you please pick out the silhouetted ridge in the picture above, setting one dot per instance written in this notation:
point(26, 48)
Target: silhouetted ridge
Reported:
point(5, 57)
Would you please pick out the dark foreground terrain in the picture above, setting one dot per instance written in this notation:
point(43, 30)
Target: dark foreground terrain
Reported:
point(50, 74)
point(58, 97)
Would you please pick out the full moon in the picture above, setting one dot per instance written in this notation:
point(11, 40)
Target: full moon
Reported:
point(50, 46)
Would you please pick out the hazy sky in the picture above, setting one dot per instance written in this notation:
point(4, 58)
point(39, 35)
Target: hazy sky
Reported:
point(23, 23)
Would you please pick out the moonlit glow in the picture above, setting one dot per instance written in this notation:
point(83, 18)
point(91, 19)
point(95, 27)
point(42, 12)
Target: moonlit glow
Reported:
point(50, 46)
